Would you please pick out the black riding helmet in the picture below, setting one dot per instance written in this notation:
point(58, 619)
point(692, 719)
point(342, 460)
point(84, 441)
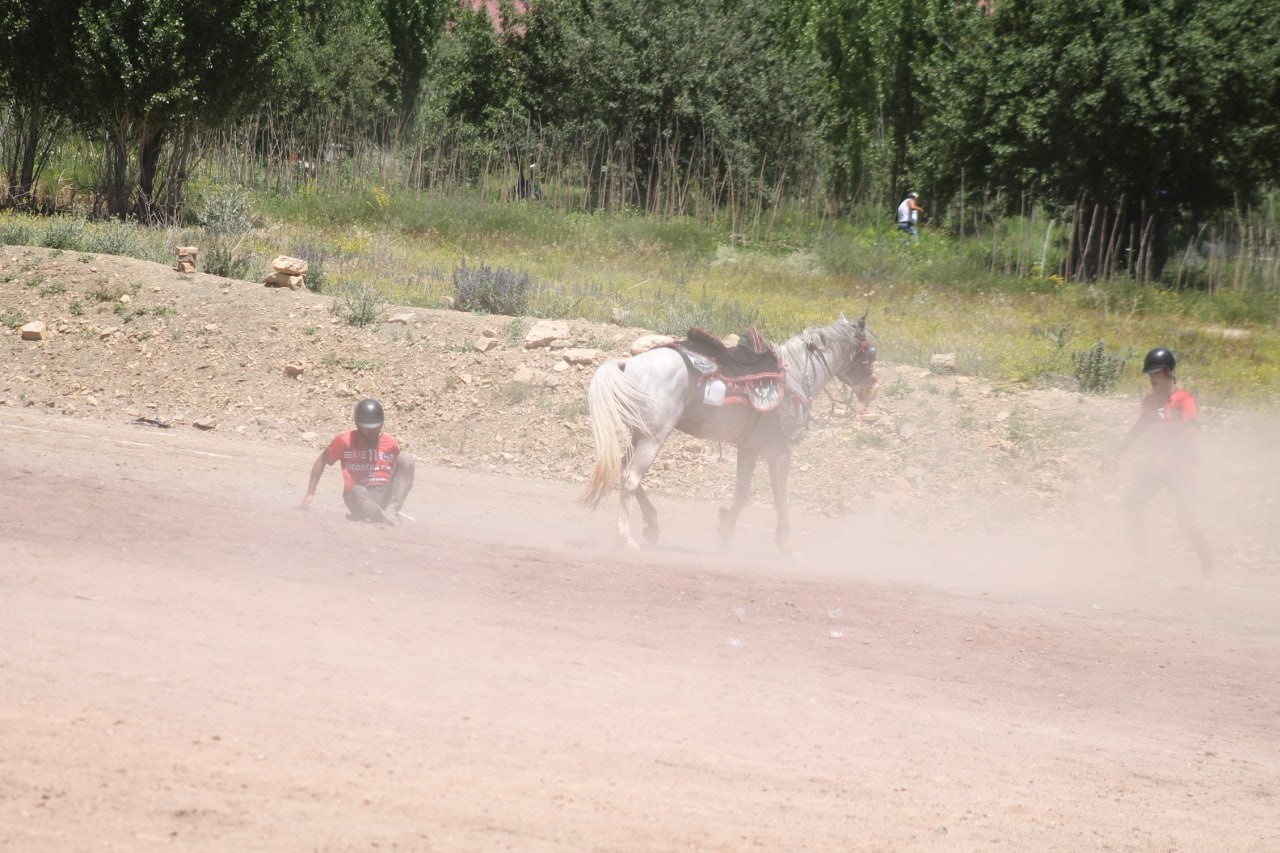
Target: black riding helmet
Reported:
point(1159, 359)
point(369, 414)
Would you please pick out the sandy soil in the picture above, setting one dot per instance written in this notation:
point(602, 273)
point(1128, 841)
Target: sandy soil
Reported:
point(957, 659)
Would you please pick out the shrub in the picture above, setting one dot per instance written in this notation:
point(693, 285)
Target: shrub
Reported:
point(357, 304)
point(225, 211)
point(227, 261)
point(15, 231)
point(1096, 370)
point(115, 238)
point(491, 290)
point(317, 278)
point(226, 215)
point(63, 232)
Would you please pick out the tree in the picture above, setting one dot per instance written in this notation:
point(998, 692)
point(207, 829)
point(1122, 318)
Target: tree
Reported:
point(672, 85)
point(35, 55)
point(872, 55)
point(1166, 108)
point(339, 73)
point(474, 75)
point(413, 28)
point(150, 72)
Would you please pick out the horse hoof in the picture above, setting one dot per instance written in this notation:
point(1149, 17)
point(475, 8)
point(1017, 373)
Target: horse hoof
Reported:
point(651, 535)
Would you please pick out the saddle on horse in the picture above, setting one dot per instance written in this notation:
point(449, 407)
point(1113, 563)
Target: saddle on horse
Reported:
point(748, 373)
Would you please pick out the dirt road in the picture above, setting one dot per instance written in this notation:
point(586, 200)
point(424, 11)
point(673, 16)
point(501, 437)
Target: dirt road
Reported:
point(189, 661)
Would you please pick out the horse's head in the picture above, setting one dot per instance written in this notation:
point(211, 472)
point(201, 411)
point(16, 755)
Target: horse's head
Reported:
point(859, 373)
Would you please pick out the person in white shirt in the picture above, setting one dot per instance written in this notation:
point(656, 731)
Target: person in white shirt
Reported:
point(909, 214)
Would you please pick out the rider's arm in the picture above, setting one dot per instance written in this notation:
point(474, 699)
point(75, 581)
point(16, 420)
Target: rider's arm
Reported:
point(317, 468)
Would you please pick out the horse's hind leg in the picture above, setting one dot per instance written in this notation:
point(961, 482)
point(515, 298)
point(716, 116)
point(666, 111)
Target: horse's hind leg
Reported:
point(741, 494)
point(650, 514)
point(639, 460)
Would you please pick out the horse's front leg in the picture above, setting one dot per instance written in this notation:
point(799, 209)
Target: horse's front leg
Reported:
point(741, 494)
point(779, 472)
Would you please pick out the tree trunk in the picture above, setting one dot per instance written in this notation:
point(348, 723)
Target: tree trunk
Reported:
point(117, 165)
point(150, 146)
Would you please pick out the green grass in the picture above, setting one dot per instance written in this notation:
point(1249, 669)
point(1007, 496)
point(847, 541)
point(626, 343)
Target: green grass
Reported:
point(938, 295)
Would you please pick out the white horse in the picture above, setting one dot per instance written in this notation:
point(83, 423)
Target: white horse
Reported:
point(636, 402)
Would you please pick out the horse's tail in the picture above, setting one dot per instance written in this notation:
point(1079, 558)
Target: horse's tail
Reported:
point(617, 408)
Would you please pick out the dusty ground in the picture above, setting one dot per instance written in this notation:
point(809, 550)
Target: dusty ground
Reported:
point(961, 658)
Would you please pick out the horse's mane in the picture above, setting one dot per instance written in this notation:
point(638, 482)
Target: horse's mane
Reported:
point(837, 342)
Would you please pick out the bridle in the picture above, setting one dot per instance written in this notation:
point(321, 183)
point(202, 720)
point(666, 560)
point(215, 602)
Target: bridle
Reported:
point(864, 356)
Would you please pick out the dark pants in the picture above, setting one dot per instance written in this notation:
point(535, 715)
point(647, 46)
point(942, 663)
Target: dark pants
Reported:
point(908, 228)
point(1182, 486)
point(367, 504)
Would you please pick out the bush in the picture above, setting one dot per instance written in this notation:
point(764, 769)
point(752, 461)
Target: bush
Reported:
point(491, 291)
point(64, 232)
point(225, 214)
point(225, 211)
point(317, 279)
point(14, 231)
point(116, 238)
point(357, 304)
point(225, 259)
point(1096, 370)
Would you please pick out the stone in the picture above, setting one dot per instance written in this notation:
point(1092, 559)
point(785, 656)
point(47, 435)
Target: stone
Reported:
point(294, 369)
point(33, 331)
point(644, 343)
point(281, 279)
point(1060, 381)
point(580, 356)
point(526, 375)
point(485, 344)
point(942, 362)
point(206, 424)
point(289, 265)
point(187, 259)
point(545, 332)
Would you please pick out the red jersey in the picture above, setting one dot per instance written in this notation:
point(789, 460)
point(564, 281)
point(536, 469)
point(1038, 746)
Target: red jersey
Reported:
point(1170, 422)
point(1179, 407)
point(362, 465)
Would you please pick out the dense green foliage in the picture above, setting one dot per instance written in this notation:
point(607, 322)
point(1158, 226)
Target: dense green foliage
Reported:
point(1128, 128)
point(1169, 105)
point(142, 77)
